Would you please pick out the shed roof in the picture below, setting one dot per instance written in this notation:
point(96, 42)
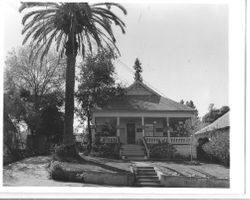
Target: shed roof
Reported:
point(222, 122)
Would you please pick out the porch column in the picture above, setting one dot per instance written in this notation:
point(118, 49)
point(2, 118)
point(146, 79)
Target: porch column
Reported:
point(118, 128)
point(142, 123)
point(169, 139)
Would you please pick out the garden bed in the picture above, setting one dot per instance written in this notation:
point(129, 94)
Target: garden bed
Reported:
point(88, 173)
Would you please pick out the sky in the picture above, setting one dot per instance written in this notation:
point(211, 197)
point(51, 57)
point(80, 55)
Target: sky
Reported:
point(183, 48)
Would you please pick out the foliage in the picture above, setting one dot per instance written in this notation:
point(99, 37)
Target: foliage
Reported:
point(138, 70)
point(97, 82)
point(218, 147)
point(97, 85)
point(214, 113)
point(51, 124)
point(33, 78)
point(75, 27)
point(196, 121)
point(105, 150)
point(34, 93)
point(162, 150)
point(64, 151)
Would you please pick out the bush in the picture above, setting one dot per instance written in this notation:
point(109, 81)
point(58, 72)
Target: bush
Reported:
point(59, 173)
point(111, 150)
point(161, 150)
point(218, 147)
point(106, 150)
point(66, 151)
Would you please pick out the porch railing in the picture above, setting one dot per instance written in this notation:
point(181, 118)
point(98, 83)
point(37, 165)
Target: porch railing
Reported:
point(180, 140)
point(109, 139)
point(174, 140)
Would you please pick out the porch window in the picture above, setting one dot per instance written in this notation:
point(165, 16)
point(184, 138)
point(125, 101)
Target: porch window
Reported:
point(149, 129)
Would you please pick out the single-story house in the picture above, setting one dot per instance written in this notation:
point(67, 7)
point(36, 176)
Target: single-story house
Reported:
point(218, 126)
point(143, 114)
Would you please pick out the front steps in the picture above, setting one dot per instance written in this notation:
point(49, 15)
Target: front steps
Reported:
point(146, 177)
point(133, 152)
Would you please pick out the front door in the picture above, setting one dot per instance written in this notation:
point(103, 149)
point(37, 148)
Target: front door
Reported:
point(131, 133)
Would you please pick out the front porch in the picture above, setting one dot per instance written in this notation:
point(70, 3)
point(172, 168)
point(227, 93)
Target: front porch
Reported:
point(131, 130)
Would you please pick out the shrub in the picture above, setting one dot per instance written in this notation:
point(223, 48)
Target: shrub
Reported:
point(66, 151)
point(59, 173)
point(110, 150)
point(106, 150)
point(218, 147)
point(161, 150)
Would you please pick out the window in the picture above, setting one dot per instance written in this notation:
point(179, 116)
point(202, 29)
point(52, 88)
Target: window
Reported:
point(149, 129)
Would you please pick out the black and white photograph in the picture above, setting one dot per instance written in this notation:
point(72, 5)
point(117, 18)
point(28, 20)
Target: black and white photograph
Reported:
point(117, 95)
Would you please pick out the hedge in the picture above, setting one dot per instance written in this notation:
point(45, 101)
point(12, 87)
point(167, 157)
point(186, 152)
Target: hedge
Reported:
point(218, 147)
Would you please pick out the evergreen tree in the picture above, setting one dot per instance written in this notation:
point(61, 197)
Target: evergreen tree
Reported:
point(138, 70)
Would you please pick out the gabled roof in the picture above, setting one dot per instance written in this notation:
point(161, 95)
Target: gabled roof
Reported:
point(140, 97)
point(220, 123)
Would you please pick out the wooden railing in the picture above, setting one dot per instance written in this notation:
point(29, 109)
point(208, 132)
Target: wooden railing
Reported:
point(160, 139)
point(109, 139)
point(180, 140)
point(155, 139)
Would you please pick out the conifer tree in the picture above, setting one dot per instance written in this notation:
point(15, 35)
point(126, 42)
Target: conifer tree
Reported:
point(138, 70)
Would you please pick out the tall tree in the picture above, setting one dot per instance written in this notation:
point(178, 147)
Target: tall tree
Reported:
point(97, 86)
point(138, 70)
point(74, 27)
point(32, 88)
point(36, 78)
point(214, 113)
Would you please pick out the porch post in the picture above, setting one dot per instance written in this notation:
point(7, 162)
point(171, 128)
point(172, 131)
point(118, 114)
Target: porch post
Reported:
point(142, 123)
point(169, 139)
point(118, 129)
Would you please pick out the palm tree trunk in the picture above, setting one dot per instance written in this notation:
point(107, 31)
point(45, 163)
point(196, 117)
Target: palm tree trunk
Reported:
point(68, 137)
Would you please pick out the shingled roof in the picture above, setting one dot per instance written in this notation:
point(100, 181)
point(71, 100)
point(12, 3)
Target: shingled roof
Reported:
point(140, 97)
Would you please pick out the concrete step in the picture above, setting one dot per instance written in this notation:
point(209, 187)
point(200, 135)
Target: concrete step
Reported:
point(133, 154)
point(147, 179)
point(146, 176)
point(135, 158)
point(146, 169)
point(132, 149)
point(147, 184)
point(146, 172)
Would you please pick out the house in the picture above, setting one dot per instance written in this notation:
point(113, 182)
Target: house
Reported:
point(219, 128)
point(144, 115)
point(221, 125)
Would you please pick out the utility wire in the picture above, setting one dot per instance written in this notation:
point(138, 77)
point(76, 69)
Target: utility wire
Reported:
point(131, 71)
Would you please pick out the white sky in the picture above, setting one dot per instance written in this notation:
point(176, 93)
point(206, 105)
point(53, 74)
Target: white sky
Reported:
point(183, 48)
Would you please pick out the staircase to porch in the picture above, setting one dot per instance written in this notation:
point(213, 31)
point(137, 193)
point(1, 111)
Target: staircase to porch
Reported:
point(133, 152)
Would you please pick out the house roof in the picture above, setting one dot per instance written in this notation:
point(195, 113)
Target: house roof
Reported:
point(140, 97)
point(222, 122)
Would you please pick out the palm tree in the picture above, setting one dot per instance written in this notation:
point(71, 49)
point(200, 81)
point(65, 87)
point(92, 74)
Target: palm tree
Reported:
point(71, 28)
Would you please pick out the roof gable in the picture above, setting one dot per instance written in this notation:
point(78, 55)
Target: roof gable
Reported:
point(139, 88)
point(139, 97)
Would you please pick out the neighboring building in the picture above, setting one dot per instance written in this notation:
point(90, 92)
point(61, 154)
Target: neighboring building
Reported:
point(218, 126)
point(143, 114)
